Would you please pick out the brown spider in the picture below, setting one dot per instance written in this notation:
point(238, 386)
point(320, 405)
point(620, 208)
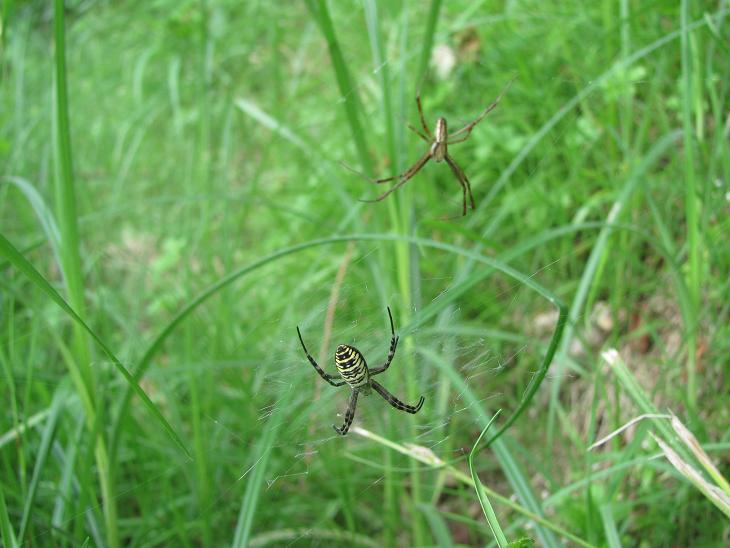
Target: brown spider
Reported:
point(438, 150)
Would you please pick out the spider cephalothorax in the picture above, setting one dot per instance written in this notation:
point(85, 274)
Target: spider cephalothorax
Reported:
point(354, 372)
point(439, 151)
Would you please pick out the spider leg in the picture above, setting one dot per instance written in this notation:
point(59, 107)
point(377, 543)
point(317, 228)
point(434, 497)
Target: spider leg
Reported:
point(326, 376)
point(356, 172)
point(463, 181)
point(403, 177)
point(395, 402)
point(468, 127)
point(418, 132)
point(391, 353)
point(407, 174)
point(349, 414)
point(368, 179)
point(410, 172)
point(461, 140)
point(424, 125)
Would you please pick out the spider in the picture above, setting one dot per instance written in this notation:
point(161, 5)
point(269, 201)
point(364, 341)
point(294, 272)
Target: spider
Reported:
point(354, 371)
point(438, 151)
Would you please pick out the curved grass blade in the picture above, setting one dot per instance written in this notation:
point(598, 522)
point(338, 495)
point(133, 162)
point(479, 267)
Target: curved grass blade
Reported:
point(499, 535)
point(156, 344)
point(8, 251)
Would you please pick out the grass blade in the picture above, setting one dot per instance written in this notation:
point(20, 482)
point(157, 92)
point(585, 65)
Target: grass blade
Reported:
point(694, 277)
point(609, 526)
point(43, 451)
point(260, 458)
point(382, 66)
point(6, 529)
point(350, 97)
point(433, 17)
point(439, 529)
point(71, 262)
point(689, 439)
point(65, 200)
point(65, 191)
point(14, 433)
point(68, 482)
point(714, 494)
point(482, 495)
point(641, 399)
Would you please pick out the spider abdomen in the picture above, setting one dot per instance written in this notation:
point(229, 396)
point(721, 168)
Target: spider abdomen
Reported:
point(351, 365)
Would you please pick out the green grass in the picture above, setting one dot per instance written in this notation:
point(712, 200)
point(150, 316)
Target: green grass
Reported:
point(174, 205)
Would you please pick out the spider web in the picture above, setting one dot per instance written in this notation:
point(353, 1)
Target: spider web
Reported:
point(306, 407)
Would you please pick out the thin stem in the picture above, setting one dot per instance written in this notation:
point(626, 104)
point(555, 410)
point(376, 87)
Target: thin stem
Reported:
point(691, 209)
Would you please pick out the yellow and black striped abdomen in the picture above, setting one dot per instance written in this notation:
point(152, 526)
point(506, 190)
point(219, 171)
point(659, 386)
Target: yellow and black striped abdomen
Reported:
point(351, 365)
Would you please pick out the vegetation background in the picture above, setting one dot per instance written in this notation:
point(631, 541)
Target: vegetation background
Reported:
point(173, 206)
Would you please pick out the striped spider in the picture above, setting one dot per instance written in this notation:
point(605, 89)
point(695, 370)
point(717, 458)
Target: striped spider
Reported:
point(354, 372)
point(439, 151)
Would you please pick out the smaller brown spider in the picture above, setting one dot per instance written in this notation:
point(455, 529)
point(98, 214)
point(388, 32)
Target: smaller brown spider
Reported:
point(438, 150)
